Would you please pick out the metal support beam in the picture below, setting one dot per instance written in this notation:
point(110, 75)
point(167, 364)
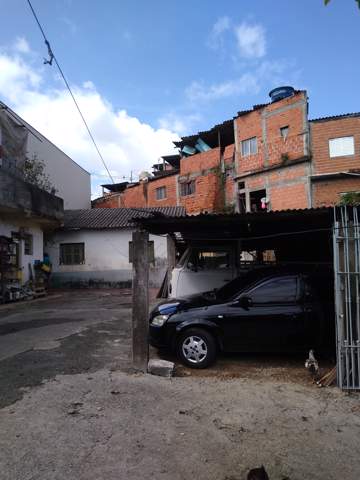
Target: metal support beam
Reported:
point(140, 301)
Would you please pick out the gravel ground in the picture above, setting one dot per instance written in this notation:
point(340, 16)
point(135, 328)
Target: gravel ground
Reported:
point(73, 410)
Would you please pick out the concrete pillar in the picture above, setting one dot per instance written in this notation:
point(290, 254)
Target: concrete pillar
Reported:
point(140, 300)
point(171, 257)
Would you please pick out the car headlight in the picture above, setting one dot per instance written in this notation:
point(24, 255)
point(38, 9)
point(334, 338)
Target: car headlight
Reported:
point(159, 320)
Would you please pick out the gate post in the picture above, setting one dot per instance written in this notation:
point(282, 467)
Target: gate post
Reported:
point(140, 300)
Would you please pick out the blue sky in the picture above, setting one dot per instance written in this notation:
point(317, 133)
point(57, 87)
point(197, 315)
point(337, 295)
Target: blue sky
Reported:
point(146, 71)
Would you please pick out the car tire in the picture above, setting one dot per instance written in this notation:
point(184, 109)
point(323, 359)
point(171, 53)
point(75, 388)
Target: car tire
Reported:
point(196, 348)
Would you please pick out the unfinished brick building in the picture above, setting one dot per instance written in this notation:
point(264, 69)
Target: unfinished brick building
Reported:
point(270, 157)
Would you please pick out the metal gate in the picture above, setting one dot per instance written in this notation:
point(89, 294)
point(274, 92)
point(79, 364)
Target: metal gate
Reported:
point(346, 235)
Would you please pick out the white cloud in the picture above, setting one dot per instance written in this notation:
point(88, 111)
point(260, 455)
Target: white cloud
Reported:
point(125, 142)
point(181, 124)
point(251, 40)
point(266, 75)
point(215, 40)
point(21, 45)
point(247, 83)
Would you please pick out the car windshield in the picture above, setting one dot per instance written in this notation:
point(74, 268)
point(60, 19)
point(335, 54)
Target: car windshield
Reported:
point(232, 288)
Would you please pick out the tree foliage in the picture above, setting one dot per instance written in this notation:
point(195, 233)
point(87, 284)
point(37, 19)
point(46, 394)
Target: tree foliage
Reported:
point(350, 198)
point(34, 173)
point(357, 1)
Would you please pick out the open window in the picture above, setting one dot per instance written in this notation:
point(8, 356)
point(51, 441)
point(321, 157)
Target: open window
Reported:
point(258, 201)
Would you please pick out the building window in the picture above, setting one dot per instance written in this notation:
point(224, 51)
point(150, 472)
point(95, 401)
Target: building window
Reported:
point(249, 147)
point(284, 132)
point(187, 188)
point(341, 147)
point(72, 253)
point(28, 244)
point(258, 201)
point(160, 193)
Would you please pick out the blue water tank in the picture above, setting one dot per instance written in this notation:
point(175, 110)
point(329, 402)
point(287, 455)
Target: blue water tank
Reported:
point(281, 92)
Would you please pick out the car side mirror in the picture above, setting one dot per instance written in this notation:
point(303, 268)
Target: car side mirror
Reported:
point(244, 302)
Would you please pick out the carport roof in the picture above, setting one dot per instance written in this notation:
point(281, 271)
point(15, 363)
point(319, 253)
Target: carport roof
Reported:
point(112, 218)
point(258, 227)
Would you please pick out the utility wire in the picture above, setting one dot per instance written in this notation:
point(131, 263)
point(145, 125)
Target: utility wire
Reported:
point(51, 58)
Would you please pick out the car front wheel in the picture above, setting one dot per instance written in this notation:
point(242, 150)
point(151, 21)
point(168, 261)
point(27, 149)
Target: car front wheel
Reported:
point(196, 348)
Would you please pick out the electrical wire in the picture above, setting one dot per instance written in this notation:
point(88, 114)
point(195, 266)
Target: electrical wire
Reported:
point(53, 57)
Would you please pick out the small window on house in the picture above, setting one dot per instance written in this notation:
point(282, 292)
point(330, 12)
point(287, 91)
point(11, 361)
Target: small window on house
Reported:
point(28, 244)
point(72, 253)
point(284, 132)
point(249, 147)
point(341, 147)
point(160, 193)
point(187, 188)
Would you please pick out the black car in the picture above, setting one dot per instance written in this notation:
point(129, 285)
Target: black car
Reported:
point(267, 310)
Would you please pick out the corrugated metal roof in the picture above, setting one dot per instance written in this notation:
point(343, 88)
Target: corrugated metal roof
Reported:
point(335, 117)
point(108, 218)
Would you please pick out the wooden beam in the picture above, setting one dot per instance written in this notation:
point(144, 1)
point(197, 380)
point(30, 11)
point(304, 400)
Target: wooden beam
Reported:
point(140, 301)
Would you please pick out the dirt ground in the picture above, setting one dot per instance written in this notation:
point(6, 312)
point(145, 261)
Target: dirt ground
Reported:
point(70, 407)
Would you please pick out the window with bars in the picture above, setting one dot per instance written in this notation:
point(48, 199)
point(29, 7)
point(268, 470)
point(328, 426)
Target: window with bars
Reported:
point(249, 147)
point(72, 253)
point(160, 193)
point(187, 188)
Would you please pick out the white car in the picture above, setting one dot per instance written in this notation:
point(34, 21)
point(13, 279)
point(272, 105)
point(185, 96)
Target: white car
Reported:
point(201, 269)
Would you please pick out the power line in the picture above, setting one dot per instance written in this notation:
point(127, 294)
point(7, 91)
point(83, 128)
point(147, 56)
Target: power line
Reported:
point(51, 58)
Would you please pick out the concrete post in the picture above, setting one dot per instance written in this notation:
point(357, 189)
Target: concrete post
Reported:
point(140, 300)
point(171, 256)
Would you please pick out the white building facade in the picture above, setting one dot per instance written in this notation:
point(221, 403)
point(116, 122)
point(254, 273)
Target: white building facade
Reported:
point(92, 249)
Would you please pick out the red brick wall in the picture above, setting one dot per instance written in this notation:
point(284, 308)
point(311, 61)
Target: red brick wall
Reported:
point(271, 118)
point(286, 188)
point(249, 126)
point(171, 188)
point(321, 132)
point(206, 197)
point(113, 200)
point(289, 196)
point(142, 195)
point(200, 161)
point(327, 193)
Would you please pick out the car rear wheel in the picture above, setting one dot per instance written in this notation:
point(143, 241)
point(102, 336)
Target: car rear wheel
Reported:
point(196, 348)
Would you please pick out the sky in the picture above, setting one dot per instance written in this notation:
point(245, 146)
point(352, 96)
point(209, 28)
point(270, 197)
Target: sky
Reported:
point(146, 72)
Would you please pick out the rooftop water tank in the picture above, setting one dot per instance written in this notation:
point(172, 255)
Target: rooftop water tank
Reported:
point(281, 92)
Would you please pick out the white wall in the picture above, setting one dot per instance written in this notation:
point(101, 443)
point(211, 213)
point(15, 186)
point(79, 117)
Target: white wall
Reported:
point(106, 258)
point(7, 227)
point(70, 180)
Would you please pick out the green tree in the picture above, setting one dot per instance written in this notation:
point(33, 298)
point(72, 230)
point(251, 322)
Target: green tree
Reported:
point(34, 173)
point(357, 1)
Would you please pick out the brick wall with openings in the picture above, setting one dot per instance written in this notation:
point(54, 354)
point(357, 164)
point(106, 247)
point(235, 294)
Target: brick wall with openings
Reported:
point(328, 193)
point(322, 132)
point(286, 187)
point(170, 184)
point(206, 197)
point(265, 124)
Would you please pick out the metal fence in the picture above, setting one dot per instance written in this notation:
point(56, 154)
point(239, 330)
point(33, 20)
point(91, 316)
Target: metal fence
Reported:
point(346, 235)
